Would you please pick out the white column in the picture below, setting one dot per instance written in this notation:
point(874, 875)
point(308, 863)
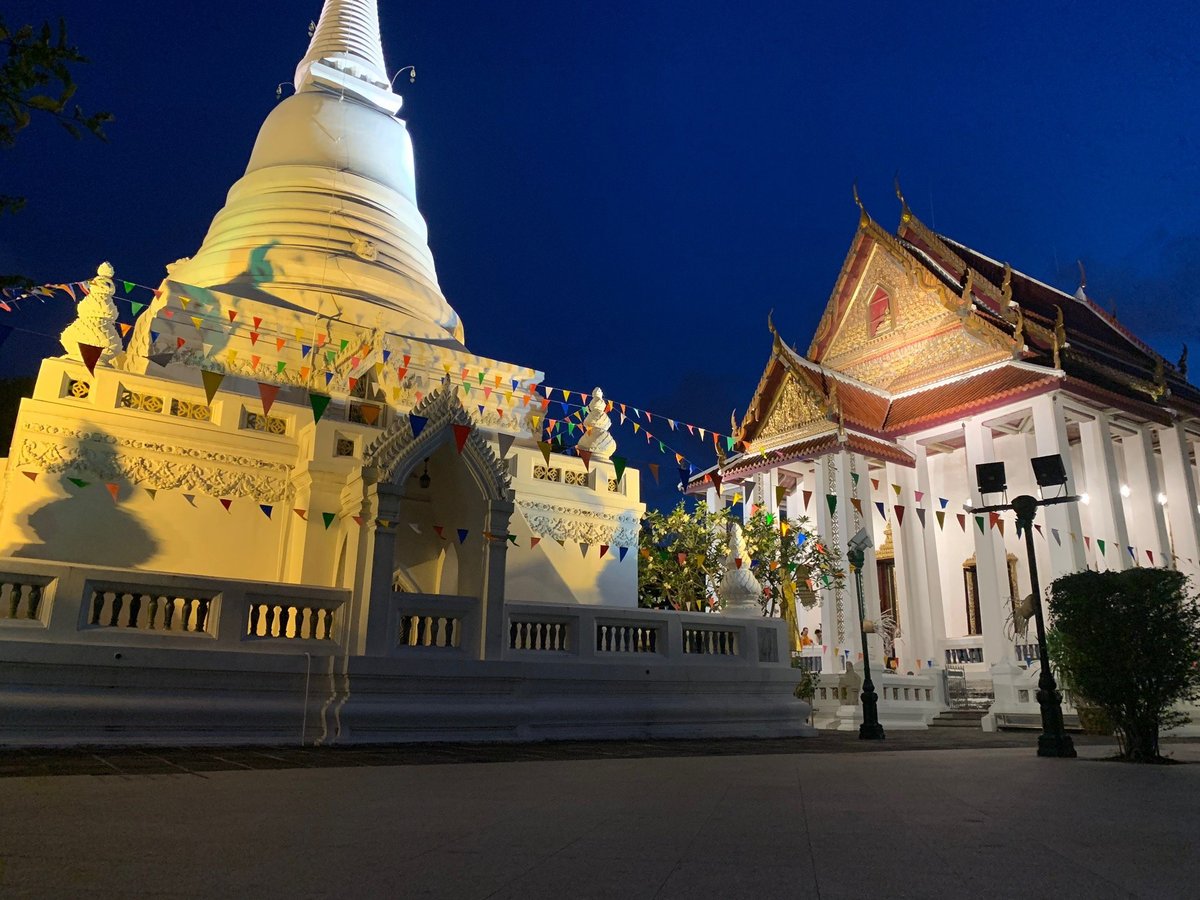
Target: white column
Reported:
point(933, 581)
point(1103, 487)
point(857, 464)
point(911, 578)
point(1180, 489)
point(839, 607)
point(715, 501)
point(1050, 434)
point(990, 561)
point(1149, 526)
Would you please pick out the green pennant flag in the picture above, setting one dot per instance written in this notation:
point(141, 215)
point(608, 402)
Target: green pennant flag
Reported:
point(212, 381)
point(831, 499)
point(1100, 544)
point(136, 307)
point(345, 344)
point(618, 467)
point(854, 476)
point(79, 482)
point(319, 404)
point(481, 378)
point(279, 367)
point(328, 517)
point(128, 286)
point(979, 522)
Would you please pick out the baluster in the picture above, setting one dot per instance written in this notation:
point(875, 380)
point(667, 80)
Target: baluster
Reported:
point(653, 640)
point(440, 633)
point(34, 600)
point(135, 607)
point(205, 607)
point(455, 624)
point(427, 639)
point(289, 628)
point(117, 602)
point(273, 612)
point(13, 598)
point(308, 623)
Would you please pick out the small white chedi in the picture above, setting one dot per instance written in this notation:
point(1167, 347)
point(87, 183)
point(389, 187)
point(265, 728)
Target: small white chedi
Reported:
point(740, 591)
point(597, 440)
point(95, 319)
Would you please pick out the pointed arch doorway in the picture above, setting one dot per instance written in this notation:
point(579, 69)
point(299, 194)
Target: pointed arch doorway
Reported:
point(442, 505)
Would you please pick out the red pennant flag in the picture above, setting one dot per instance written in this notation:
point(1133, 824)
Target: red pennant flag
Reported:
point(113, 489)
point(226, 502)
point(232, 314)
point(268, 393)
point(534, 541)
point(257, 321)
point(603, 550)
point(1039, 530)
point(993, 518)
point(302, 513)
point(962, 520)
point(899, 514)
point(1087, 540)
point(1150, 556)
point(682, 557)
point(370, 414)
point(586, 456)
point(279, 342)
point(358, 520)
point(91, 355)
point(254, 336)
point(654, 471)
point(857, 504)
point(737, 562)
point(716, 479)
point(32, 476)
point(807, 498)
point(461, 433)
point(875, 483)
point(440, 529)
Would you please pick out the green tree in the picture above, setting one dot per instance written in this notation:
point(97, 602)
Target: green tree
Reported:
point(682, 554)
point(789, 554)
point(1128, 643)
point(35, 78)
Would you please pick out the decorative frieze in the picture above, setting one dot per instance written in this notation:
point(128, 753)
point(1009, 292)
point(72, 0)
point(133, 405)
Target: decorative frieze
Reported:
point(561, 522)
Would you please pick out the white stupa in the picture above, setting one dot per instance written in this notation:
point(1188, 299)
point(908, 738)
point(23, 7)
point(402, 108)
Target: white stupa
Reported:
point(325, 218)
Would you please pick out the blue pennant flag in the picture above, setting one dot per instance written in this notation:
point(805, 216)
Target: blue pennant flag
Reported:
point(417, 423)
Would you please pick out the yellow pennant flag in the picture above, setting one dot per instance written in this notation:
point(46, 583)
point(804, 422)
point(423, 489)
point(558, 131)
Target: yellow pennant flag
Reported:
point(197, 321)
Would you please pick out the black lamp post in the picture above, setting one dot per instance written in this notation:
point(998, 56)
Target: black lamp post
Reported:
point(1049, 472)
point(870, 729)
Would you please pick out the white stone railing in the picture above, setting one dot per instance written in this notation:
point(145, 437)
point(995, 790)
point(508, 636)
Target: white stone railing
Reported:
point(439, 625)
point(49, 602)
point(536, 630)
point(964, 651)
point(905, 701)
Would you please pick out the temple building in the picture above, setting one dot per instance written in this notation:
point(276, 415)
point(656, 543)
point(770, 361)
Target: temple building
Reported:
point(295, 503)
point(929, 359)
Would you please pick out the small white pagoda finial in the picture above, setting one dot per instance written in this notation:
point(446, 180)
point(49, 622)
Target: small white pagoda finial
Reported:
point(596, 439)
point(740, 591)
point(95, 319)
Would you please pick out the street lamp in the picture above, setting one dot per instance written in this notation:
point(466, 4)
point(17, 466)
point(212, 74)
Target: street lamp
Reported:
point(870, 729)
point(1049, 472)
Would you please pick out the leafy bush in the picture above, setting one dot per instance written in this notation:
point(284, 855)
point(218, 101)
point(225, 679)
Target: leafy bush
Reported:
point(683, 555)
point(1128, 643)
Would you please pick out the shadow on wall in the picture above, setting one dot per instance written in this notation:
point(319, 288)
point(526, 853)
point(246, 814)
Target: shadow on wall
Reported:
point(76, 522)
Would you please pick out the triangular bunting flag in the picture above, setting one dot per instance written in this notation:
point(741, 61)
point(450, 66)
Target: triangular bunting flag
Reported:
point(461, 433)
point(654, 471)
point(993, 519)
point(899, 514)
point(417, 423)
point(302, 513)
point(212, 381)
point(921, 515)
point(462, 535)
point(506, 442)
point(857, 504)
point(268, 393)
point(90, 354)
point(583, 547)
point(534, 541)
point(328, 519)
point(1038, 529)
point(319, 403)
point(621, 551)
point(1057, 538)
point(618, 467)
point(603, 550)
point(586, 456)
point(79, 482)
point(832, 499)
point(226, 502)
point(267, 510)
point(32, 476)
point(114, 489)
point(544, 446)
point(941, 518)
point(962, 520)
point(807, 498)
point(369, 413)
point(979, 522)
point(1100, 543)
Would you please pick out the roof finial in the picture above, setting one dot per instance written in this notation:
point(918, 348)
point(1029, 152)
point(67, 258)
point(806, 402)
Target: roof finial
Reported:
point(905, 212)
point(345, 55)
point(863, 218)
point(1182, 364)
point(1081, 293)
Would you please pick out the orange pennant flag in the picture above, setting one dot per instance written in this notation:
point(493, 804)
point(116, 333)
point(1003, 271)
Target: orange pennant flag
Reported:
point(114, 489)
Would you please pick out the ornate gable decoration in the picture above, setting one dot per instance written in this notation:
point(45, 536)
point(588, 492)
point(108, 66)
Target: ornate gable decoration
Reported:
point(396, 452)
point(795, 405)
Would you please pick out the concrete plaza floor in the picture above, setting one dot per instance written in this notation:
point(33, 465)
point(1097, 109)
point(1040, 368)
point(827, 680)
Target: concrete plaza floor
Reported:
point(635, 820)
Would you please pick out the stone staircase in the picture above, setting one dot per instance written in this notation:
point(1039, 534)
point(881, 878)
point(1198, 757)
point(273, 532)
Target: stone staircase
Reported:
point(959, 718)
